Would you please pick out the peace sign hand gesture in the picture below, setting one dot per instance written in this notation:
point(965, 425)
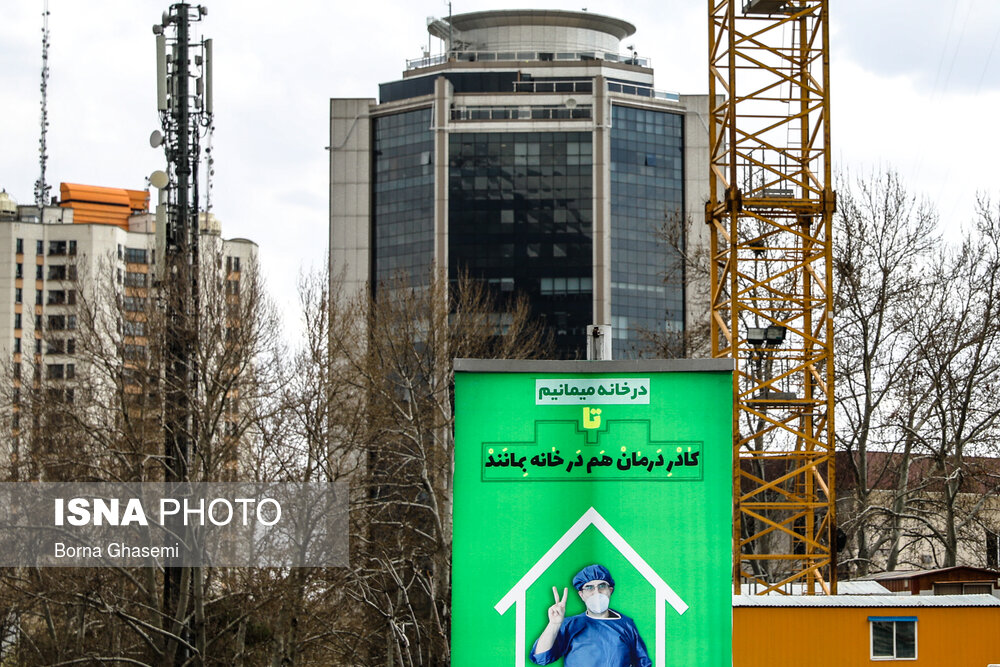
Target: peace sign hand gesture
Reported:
point(557, 612)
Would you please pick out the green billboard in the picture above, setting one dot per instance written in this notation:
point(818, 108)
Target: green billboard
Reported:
point(560, 465)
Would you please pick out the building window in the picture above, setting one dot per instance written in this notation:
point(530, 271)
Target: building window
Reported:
point(18, 295)
point(55, 372)
point(39, 247)
point(56, 346)
point(134, 352)
point(963, 588)
point(57, 247)
point(20, 247)
point(38, 271)
point(133, 328)
point(893, 637)
point(57, 272)
point(17, 346)
point(71, 321)
point(133, 304)
point(232, 264)
point(70, 346)
point(17, 320)
point(19, 270)
point(135, 255)
point(119, 251)
point(133, 279)
point(16, 370)
point(992, 549)
point(38, 297)
point(72, 247)
point(57, 322)
point(57, 297)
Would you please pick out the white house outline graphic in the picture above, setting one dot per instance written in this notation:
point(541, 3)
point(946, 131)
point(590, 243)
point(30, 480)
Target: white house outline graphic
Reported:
point(517, 594)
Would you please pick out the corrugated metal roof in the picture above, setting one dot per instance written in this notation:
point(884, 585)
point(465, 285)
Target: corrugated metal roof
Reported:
point(861, 588)
point(95, 194)
point(854, 587)
point(101, 205)
point(865, 601)
point(909, 574)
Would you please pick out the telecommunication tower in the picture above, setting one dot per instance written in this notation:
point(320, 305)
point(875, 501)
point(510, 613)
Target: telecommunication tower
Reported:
point(770, 217)
point(184, 101)
point(41, 187)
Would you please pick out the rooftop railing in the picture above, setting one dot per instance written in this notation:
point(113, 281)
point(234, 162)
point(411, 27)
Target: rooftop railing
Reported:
point(526, 56)
point(642, 91)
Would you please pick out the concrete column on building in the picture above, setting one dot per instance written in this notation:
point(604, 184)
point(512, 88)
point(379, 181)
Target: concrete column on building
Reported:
point(697, 301)
point(350, 192)
point(443, 94)
point(602, 202)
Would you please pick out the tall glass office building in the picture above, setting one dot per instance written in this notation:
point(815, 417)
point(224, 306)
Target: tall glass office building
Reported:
point(534, 156)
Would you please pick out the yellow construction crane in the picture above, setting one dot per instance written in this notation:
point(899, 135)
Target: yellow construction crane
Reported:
point(770, 217)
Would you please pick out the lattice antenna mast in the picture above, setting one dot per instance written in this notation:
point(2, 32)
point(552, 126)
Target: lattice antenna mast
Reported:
point(770, 218)
point(184, 101)
point(41, 187)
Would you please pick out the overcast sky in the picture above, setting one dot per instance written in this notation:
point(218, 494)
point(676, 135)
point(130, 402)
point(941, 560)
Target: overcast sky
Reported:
point(916, 87)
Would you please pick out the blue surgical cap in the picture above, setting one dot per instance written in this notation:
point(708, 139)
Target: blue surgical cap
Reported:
point(592, 573)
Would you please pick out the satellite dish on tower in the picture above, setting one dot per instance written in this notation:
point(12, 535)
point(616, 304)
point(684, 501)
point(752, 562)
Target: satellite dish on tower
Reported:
point(156, 139)
point(158, 179)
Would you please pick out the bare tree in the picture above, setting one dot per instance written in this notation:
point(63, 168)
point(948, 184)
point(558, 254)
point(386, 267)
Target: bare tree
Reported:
point(885, 238)
point(917, 352)
point(956, 338)
point(402, 366)
point(103, 421)
point(688, 263)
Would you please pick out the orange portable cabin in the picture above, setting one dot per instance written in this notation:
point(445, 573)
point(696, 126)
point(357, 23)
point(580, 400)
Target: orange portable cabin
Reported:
point(847, 630)
point(107, 206)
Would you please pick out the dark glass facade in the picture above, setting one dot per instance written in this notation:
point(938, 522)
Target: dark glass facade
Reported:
point(647, 190)
point(403, 195)
point(521, 219)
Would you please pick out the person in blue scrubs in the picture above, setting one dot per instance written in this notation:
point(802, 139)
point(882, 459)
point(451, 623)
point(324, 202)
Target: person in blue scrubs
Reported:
point(599, 637)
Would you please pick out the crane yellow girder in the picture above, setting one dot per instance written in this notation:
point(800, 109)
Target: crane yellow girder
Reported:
point(770, 217)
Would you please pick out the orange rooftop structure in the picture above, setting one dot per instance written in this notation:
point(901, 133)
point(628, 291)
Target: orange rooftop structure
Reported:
point(105, 206)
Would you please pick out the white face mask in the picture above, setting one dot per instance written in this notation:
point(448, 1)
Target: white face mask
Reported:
point(598, 603)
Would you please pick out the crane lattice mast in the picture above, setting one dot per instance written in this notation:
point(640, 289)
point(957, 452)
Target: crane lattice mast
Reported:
point(770, 218)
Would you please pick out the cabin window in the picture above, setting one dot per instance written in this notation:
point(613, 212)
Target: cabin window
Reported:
point(893, 637)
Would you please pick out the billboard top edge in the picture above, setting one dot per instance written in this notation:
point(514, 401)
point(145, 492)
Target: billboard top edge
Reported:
point(579, 366)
